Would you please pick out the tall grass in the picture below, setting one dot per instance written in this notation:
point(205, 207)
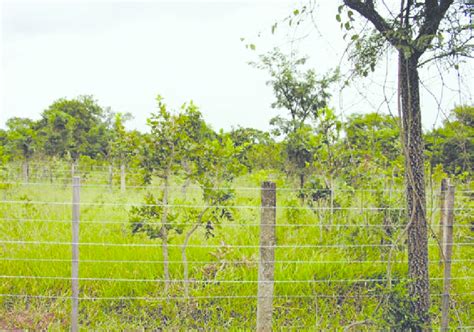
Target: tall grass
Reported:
point(326, 287)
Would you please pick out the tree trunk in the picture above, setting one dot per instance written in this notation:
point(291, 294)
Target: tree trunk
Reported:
point(183, 251)
point(419, 288)
point(26, 170)
point(186, 184)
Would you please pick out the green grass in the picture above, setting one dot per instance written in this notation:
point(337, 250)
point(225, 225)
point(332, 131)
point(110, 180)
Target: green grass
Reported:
point(333, 295)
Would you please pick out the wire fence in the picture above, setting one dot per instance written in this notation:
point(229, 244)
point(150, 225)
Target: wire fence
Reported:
point(344, 263)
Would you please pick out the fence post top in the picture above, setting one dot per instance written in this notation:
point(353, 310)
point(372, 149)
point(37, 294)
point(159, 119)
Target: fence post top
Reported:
point(268, 185)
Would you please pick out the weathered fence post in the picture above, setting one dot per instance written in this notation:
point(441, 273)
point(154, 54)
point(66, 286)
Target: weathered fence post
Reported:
point(266, 268)
point(447, 246)
point(442, 209)
point(122, 178)
point(75, 253)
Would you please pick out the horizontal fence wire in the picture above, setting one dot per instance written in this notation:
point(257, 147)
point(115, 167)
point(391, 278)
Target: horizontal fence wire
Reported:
point(334, 190)
point(249, 246)
point(197, 206)
point(236, 262)
point(223, 281)
point(202, 206)
point(223, 297)
point(122, 222)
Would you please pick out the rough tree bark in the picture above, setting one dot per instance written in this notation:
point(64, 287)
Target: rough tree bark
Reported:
point(419, 288)
point(411, 39)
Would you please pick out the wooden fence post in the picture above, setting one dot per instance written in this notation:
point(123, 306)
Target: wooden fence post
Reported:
point(266, 267)
point(447, 246)
point(75, 253)
point(122, 178)
point(442, 211)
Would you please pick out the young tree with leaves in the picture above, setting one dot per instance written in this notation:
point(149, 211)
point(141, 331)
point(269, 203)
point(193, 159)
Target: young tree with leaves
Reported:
point(165, 151)
point(172, 138)
point(216, 163)
point(303, 95)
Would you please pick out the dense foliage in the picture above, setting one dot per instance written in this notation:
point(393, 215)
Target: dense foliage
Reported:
point(212, 170)
point(321, 145)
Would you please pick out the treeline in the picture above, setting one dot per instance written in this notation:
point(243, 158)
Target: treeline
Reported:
point(311, 152)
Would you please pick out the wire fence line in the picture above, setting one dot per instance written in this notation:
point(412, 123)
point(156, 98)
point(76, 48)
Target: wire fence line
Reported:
point(243, 246)
point(237, 188)
point(328, 280)
point(244, 262)
point(224, 281)
point(203, 206)
point(221, 297)
point(124, 222)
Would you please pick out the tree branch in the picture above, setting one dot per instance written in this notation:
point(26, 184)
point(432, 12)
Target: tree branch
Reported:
point(367, 10)
point(434, 14)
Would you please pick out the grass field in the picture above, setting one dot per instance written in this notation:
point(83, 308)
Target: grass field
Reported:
point(330, 272)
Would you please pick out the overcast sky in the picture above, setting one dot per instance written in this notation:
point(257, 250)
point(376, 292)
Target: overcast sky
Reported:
point(125, 52)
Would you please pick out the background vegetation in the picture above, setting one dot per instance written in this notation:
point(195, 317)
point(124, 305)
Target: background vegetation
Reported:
point(180, 246)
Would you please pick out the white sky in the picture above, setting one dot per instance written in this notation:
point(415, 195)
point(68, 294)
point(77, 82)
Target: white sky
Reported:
point(126, 52)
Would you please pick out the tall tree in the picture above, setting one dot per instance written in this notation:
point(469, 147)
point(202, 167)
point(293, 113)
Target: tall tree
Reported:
point(75, 127)
point(304, 95)
point(415, 30)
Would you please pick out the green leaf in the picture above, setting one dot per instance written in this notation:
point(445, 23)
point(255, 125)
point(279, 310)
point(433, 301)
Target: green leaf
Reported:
point(252, 47)
point(338, 18)
point(296, 12)
point(274, 26)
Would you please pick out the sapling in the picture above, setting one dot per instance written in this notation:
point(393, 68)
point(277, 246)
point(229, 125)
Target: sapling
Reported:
point(216, 164)
point(172, 136)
